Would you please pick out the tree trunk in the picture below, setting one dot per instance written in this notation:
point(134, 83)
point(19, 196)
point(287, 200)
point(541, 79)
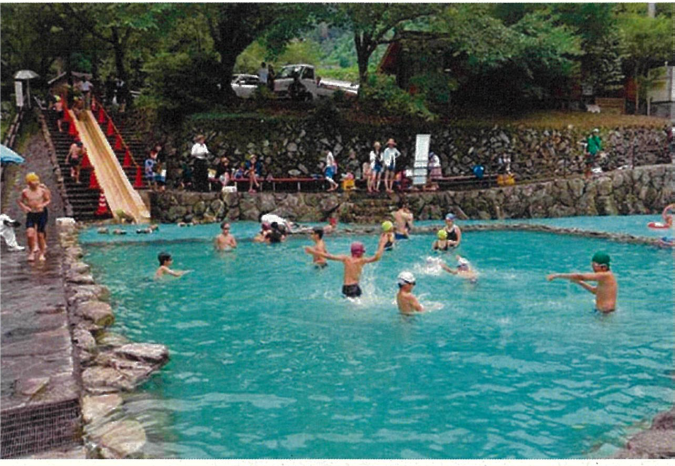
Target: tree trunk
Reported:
point(363, 53)
point(119, 53)
point(227, 62)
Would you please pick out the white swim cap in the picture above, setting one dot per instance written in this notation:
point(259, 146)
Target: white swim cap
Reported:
point(406, 278)
point(462, 262)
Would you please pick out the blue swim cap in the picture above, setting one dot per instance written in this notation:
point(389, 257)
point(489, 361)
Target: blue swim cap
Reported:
point(450, 217)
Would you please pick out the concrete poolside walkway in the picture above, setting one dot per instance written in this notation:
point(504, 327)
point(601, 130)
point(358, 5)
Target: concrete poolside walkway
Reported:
point(39, 395)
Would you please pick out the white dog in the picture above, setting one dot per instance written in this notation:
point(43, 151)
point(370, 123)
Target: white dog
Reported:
point(7, 226)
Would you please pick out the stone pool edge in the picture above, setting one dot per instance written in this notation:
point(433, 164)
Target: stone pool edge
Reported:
point(108, 365)
point(657, 442)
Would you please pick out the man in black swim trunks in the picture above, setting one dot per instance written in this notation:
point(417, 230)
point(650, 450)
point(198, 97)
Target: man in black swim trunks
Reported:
point(353, 264)
point(34, 201)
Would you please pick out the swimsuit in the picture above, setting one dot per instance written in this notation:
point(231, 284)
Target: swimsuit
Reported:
point(400, 236)
point(447, 246)
point(74, 161)
point(37, 218)
point(320, 266)
point(351, 291)
point(389, 245)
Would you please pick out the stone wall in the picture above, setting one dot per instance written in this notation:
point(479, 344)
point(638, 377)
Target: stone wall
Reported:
point(294, 146)
point(639, 191)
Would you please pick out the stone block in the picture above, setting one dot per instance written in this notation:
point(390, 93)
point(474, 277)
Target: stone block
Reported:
point(84, 339)
point(119, 439)
point(98, 312)
point(96, 407)
point(150, 353)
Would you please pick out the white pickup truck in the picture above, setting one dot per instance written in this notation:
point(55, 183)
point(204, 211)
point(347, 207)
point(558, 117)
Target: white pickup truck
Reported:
point(299, 82)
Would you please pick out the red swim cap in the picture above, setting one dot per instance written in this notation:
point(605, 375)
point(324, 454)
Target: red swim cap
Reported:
point(358, 249)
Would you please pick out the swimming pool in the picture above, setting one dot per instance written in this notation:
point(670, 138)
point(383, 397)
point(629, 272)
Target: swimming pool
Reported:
point(269, 361)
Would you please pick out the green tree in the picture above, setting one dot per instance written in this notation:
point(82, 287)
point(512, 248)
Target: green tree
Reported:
point(118, 24)
point(234, 26)
point(649, 43)
point(372, 22)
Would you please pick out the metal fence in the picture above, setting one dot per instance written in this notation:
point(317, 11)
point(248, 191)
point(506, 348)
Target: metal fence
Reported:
point(28, 430)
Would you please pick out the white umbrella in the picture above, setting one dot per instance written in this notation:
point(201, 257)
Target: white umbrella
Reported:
point(26, 74)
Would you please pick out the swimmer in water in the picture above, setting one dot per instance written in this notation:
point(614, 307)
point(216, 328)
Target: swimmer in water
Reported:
point(403, 220)
point(441, 244)
point(353, 265)
point(265, 230)
point(406, 301)
point(463, 270)
point(606, 290)
point(165, 262)
point(225, 241)
point(319, 245)
point(388, 233)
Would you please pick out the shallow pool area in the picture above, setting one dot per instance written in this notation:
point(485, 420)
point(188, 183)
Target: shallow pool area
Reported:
point(268, 360)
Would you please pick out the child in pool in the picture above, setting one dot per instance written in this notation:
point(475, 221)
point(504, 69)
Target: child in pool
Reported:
point(225, 241)
point(165, 261)
point(441, 244)
point(406, 301)
point(353, 265)
point(320, 246)
point(388, 233)
point(605, 291)
point(463, 270)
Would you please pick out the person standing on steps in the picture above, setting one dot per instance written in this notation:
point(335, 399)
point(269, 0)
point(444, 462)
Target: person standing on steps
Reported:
point(390, 155)
point(331, 170)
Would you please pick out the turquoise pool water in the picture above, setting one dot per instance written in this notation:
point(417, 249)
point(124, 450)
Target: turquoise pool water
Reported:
point(269, 361)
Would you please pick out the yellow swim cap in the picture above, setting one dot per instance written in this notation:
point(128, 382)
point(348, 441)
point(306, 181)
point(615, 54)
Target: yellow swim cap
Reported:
point(442, 234)
point(32, 177)
point(387, 226)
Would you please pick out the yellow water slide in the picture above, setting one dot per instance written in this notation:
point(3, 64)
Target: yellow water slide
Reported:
point(118, 191)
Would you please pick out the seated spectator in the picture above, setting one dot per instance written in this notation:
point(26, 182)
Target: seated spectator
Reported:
point(240, 174)
point(352, 164)
point(223, 172)
point(435, 171)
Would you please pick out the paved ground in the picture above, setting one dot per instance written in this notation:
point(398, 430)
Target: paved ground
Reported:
point(35, 347)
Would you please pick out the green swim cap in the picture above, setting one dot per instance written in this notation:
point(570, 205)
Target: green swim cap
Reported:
point(387, 225)
point(601, 258)
point(442, 234)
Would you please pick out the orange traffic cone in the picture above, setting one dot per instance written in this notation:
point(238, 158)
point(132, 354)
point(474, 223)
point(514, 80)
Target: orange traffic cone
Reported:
point(102, 205)
point(127, 159)
point(101, 115)
point(139, 178)
point(72, 129)
point(93, 181)
point(110, 130)
point(85, 160)
point(118, 142)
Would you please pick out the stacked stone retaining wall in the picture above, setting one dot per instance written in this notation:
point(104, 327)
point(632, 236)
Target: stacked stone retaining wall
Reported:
point(642, 190)
point(295, 146)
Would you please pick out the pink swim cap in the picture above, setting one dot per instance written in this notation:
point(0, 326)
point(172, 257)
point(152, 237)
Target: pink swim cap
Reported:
point(358, 249)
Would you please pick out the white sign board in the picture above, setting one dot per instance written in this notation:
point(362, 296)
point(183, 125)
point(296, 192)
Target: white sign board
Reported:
point(18, 90)
point(421, 165)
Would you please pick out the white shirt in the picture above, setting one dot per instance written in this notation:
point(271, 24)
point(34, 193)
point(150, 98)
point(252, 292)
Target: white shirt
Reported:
point(330, 160)
point(199, 151)
point(434, 161)
point(389, 156)
point(86, 86)
point(271, 218)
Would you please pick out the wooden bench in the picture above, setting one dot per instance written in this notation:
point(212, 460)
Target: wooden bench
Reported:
point(467, 181)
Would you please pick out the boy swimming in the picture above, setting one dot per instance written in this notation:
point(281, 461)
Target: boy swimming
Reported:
point(406, 301)
point(319, 245)
point(353, 265)
point(165, 261)
point(606, 290)
point(463, 270)
point(388, 232)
